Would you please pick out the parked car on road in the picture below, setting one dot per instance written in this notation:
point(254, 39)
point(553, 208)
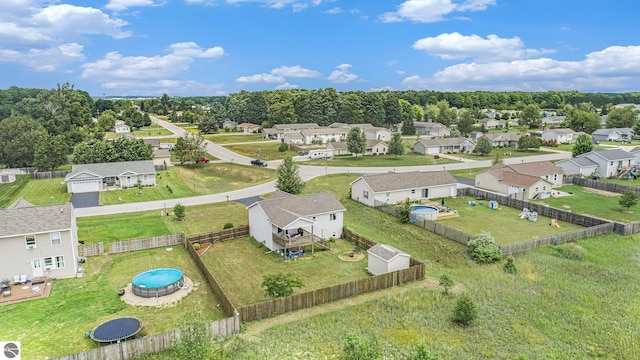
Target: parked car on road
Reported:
point(203, 160)
point(259, 162)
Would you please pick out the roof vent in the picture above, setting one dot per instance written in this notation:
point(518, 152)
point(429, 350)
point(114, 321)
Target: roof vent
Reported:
point(61, 210)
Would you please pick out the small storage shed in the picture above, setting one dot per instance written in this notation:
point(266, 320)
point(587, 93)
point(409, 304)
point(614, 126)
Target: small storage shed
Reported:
point(7, 177)
point(385, 259)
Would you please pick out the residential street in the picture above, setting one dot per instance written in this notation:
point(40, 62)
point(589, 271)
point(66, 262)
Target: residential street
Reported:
point(307, 172)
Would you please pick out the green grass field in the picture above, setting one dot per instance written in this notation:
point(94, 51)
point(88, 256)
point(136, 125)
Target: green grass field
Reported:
point(192, 180)
point(223, 138)
point(265, 150)
point(56, 325)
point(408, 159)
point(467, 173)
point(240, 264)
point(37, 192)
point(505, 153)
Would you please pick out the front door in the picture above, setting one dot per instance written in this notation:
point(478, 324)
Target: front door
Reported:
point(37, 267)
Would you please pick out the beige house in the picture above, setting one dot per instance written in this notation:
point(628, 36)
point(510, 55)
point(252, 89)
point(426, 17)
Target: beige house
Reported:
point(524, 181)
point(374, 147)
point(104, 176)
point(248, 128)
point(38, 241)
point(502, 140)
point(443, 145)
point(383, 259)
point(161, 157)
point(392, 188)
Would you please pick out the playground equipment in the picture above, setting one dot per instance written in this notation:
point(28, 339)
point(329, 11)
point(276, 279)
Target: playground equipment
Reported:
point(628, 172)
point(554, 223)
point(493, 204)
point(529, 215)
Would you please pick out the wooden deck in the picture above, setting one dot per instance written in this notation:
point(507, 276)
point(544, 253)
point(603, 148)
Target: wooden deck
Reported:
point(20, 292)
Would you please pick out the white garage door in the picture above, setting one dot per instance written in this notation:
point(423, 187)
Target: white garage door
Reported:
point(433, 150)
point(85, 186)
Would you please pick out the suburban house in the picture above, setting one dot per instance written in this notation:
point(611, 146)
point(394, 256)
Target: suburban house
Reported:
point(376, 133)
point(228, 124)
point(121, 127)
point(553, 120)
point(295, 138)
point(608, 162)
point(392, 188)
point(615, 134)
point(161, 157)
point(38, 241)
point(491, 123)
point(105, 176)
point(503, 139)
point(431, 129)
point(373, 147)
point(635, 152)
point(506, 180)
point(248, 128)
point(443, 145)
point(155, 143)
point(383, 259)
point(285, 221)
point(560, 135)
point(323, 135)
point(278, 131)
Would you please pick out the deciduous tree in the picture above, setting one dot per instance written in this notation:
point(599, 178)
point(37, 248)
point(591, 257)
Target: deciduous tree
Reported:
point(281, 285)
point(530, 116)
point(584, 144)
point(356, 141)
point(483, 146)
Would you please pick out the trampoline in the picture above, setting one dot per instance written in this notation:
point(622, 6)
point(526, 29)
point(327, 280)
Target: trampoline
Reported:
point(116, 330)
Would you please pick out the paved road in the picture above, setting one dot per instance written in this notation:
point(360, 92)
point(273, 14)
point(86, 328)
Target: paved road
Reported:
point(307, 172)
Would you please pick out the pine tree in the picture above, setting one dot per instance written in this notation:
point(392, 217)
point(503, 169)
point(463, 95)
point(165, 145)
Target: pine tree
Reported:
point(396, 146)
point(289, 179)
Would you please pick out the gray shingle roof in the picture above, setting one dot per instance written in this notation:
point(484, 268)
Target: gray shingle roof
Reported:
point(614, 154)
point(408, 180)
point(385, 252)
point(114, 169)
point(283, 210)
point(443, 141)
point(35, 219)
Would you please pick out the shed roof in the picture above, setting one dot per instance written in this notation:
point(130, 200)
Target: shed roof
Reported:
point(386, 252)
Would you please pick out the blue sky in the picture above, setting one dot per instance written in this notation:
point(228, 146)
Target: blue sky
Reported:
point(218, 47)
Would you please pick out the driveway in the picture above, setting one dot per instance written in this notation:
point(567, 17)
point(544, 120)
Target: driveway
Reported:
point(85, 200)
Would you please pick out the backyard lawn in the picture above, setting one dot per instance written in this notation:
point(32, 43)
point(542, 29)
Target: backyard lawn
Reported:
point(37, 192)
point(505, 153)
point(240, 264)
point(467, 173)
point(593, 202)
point(504, 224)
point(199, 219)
point(56, 325)
point(192, 180)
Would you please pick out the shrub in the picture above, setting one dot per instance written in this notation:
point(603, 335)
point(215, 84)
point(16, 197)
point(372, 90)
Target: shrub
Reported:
point(283, 147)
point(572, 251)
point(361, 348)
point(629, 198)
point(446, 283)
point(194, 341)
point(484, 249)
point(196, 246)
point(465, 310)
point(228, 226)
point(179, 211)
point(422, 352)
point(404, 211)
point(280, 285)
point(510, 265)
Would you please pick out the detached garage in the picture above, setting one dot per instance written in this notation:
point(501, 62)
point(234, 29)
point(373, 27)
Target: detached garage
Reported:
point(384, 259)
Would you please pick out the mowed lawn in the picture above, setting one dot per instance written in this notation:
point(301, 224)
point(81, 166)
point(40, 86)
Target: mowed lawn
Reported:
point(199, 219)
point(408, 159)
point(262, 150)
point(223, 138)
point(37, 192)
point(56, 325)
point(504, 224)
point(593, 202)
point(505, 153)
point(239, 266)
point(192, 180)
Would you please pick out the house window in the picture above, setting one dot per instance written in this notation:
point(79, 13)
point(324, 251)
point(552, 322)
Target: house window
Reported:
point(425, 193)
point(332, 216)
point(544, 188)
point(546, 177)
point(537, 189)
point(555, 177)
point(413, 191)
point(144, 177)
point(48, 263)
point(55, 238)
point(365, 194)
point(30, 241)
point(313, 218)
point(59, 262)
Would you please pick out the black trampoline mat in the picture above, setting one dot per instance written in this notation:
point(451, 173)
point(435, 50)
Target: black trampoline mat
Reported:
point(116, 329)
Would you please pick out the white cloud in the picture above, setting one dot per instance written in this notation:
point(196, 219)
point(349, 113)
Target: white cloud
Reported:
point(384, 88)
point(429, 11)
point(295, 71)
point(457, 46)
point(259, 78)
point(286, 86)
point(296, 5)
point(162, 86)
point(119, 5)
point(342, 75)
point(333, 11)
point(616, 68)
point(51, 59)
point(114, 65)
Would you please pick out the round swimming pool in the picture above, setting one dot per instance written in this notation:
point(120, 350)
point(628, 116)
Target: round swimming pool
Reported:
point(157, 282)
point(424, 212)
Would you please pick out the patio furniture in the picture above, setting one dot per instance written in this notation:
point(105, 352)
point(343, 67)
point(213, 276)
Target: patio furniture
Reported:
point(16, 279)
point(5, 283)
point(6, 291)
point(23, 278)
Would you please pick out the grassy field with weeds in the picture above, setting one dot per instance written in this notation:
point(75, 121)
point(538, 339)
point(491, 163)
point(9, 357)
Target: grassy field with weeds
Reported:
point(199, 219)
point(408, 159)
point(56, 325)
point(223, 138)
point(262, 150)
point(504, 153)
point(37, 192)
point(240, 264)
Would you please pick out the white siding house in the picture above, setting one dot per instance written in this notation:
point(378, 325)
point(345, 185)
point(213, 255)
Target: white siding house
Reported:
point(117, 175)
point(286, 221)
point(392, 188)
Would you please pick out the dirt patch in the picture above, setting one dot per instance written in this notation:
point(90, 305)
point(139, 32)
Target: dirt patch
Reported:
point(256, 327)
point(599, 192)
point(351, 256)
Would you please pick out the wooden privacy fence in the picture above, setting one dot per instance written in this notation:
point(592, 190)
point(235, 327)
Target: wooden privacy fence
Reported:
point(627, 229)
point(87, 250)
point(600, 185)
point(211, 280)
point(151, 344)
point(123, 246)
point(39, 175)
point(219, 236)
point(520, 247)
point(446, 231)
